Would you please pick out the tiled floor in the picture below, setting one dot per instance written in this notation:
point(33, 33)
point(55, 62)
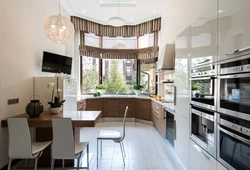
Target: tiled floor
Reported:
point(145, 149)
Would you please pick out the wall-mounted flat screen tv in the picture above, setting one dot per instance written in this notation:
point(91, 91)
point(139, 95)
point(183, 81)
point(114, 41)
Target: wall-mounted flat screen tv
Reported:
point(55, 63)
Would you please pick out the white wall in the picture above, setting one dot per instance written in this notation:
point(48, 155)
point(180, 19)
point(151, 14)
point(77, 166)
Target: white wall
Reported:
point(22, 42)
point(179, 14)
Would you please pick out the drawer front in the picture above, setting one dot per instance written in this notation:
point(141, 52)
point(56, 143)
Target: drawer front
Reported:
point(81, 106)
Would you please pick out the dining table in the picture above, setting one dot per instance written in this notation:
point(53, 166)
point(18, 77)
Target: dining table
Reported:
point(42, 126)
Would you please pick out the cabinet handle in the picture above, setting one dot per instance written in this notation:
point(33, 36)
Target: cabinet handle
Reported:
point(157, 107)
point(157, 117)
point(157, 112)
point(201, 153)
point(174, 129)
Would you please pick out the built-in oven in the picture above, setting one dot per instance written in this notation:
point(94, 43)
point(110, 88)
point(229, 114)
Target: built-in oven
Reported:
point(203, 129)
point(233, 149)
point(203, 86)
point(234, 88)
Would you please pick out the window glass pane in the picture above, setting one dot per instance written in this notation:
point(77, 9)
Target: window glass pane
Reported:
point(146, 40)
point(119, 42)
point(119, 75)
point(147, 75)
point(90, 74)
point(92, 40)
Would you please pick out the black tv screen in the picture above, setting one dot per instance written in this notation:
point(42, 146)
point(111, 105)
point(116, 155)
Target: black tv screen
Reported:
point(55, 63)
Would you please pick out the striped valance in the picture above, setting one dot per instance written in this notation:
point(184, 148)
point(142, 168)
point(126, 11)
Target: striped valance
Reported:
point(110, 31)
point(144, 53)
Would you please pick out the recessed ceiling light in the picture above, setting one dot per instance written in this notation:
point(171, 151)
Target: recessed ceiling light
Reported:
point(132, 19)
point(83, 11)
point(220, 11)
point(153, 11)
point(106, 18)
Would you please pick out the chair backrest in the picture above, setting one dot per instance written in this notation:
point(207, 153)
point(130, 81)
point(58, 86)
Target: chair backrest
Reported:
point(63, 146)
point(124, 121)
point(19, 138)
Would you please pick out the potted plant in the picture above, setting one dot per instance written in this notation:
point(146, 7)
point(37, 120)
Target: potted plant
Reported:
point(101, 88)
point(55, 102)
point(137, 88)
point(194, 90)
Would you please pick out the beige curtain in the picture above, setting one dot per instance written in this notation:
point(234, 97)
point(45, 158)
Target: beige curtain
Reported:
point(110, 31)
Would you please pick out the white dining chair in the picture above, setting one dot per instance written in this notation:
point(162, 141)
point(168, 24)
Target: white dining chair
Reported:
point(114, 135)
point(20, 144)
point(64, 146)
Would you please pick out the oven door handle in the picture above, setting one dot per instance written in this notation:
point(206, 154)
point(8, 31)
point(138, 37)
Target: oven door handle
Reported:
point(234, 76)
point(234, 135)
point(203, 78)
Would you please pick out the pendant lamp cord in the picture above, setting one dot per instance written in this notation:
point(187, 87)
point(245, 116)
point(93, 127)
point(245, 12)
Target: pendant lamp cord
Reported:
point(59, 7)
point(118, 8)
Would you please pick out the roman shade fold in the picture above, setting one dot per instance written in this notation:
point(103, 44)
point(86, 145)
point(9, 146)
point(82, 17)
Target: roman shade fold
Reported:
point(110, 31)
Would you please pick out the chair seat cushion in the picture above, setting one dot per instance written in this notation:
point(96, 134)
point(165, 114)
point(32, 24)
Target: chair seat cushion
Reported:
point(109, 134)
point(79, 147)
point(37, 147)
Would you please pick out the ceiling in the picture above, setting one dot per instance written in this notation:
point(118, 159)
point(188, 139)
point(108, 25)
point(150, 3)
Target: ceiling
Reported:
point(132, 11)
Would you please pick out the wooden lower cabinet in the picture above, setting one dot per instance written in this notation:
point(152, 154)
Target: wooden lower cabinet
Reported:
point(158, 118)
point(81, 105)
point(126, 102)
point(115, 107)
point(143, 109)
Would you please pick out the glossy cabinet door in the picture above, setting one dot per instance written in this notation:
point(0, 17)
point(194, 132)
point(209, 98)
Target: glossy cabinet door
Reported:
point(204, 37)
point(182, 70)
point(182, 73)
point(234, 26)
point(200, 159)
point(181, 143)
point(220, 167)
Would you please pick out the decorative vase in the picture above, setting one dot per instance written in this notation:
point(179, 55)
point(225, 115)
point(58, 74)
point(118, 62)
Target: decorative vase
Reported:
point(34, 108)
point(55, 110)
point(101, 91)
point(138, 92)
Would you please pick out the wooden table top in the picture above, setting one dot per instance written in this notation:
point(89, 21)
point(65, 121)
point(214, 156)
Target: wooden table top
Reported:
point(79, 118)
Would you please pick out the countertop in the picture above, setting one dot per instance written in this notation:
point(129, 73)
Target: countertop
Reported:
point(167, 106)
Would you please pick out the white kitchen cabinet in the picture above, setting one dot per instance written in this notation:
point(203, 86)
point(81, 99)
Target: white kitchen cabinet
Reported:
point(220, 167)
point(200, 159)
point(182, 72)
point(181, 143)
point(234, 26)
point(203, 39)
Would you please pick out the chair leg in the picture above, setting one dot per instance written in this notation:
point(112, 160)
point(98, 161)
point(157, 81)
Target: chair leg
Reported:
point(25, 164)
point(123, 148)
point(63, 164)
point(52, 164)
point(122, 153)
point(9, 165)
point(36, 160)
point(78, 163)
point(101, 147)
point(88, 157)
point(97, 154)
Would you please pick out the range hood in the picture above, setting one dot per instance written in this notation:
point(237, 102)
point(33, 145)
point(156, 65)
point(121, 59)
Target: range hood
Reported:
point(166, 60)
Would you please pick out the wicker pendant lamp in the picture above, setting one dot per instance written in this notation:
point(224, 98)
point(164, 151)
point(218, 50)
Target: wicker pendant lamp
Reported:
point(59, 28)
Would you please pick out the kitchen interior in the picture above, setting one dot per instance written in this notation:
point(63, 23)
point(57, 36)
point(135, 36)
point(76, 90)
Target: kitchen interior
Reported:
point(201, 88)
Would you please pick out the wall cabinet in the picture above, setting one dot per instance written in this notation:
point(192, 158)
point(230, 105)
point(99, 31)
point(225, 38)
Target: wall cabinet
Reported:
point(203, 40)
point(200, 159)
point(143, 109)
point(158, 118)
point(234, 28)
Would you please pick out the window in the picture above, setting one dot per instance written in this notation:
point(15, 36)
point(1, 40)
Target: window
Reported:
point(90, 74)
point(119, 42)
point(119, 75)
point(146, 40)
point(92, 40)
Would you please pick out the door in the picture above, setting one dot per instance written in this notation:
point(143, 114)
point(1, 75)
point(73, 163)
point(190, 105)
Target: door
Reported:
point(234, 28)
point(200, 159)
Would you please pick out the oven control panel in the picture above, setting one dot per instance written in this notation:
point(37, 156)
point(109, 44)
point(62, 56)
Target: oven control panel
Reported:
point(235, 127)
